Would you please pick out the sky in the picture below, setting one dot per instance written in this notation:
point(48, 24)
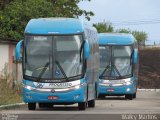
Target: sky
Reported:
point(140, 15)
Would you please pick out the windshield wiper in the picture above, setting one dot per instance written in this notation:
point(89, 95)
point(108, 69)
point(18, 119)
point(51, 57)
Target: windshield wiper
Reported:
point(60, 67)
point(114, 67)
point(116, 70)
point(106, 68)
point(43, 71)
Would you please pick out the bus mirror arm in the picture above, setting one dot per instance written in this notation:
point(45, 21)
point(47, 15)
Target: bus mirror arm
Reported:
point(18, 50)
point(131, 57)
point(81, 48)
point(135, 56)
point(86, 49)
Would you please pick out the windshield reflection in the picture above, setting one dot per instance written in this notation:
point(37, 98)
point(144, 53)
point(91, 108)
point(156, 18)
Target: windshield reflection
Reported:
point(115, 62)
point(60, 53)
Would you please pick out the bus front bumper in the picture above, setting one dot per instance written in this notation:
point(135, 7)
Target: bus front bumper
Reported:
point(72, 96)
point(116, 90)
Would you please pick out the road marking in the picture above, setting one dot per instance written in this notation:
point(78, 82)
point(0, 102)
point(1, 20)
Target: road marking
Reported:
point(11, 105)
point(156, 90)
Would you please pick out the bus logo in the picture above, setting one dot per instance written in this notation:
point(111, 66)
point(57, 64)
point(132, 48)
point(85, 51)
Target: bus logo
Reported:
point(52, 90)
point(57, 72)
point(39, 85)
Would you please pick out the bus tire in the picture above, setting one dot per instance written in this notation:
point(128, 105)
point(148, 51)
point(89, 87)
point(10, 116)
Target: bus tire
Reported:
point(134, 95)
point(91, 103)
point(129, 96)
point(31, 106)
point(82, 105)
point(41, 105)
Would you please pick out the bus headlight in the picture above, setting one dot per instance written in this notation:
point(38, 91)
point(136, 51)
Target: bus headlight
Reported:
point(103, 81)
point(28, 87)
point(127, 81)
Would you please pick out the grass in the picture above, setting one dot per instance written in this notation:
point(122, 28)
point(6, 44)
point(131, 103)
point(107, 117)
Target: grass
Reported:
point(9, 97)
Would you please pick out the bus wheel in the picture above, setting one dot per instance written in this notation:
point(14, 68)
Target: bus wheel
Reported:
point(41, 105)
point(31, 106)
point(134, 95)
point(129, 96)
point(91, 103)
point(49, 105)
point(82, 105)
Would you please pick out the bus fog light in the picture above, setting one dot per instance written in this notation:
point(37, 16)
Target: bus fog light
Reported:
point(128, 89)
point(28, 96)
point(76, 96)
point(77, 87)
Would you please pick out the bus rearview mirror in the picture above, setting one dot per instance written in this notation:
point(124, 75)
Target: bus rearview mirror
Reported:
point(86, 50)
point(135, 56)
point(18, 50)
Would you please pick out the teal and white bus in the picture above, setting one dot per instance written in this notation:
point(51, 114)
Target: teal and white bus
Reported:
point(118, 65)
point(60, 63)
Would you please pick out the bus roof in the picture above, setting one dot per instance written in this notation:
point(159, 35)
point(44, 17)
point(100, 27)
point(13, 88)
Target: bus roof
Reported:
point(54, 26)
point(115, 39)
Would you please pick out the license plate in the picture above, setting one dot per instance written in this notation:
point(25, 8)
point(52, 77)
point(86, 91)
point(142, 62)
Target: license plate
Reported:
point(110, 90)
point(52, 97)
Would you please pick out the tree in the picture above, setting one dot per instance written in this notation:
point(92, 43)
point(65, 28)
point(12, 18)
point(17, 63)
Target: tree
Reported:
point(104, 27)
point(123, 30)
point(69, 8)
point(15, 16)
point(140, 36)
point(3, 3)
point(16, 13)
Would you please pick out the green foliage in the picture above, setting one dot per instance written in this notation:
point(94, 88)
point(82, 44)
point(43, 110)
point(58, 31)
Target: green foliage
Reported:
point(123, 30)
point(5, 72)
point(3, 3)
point(15, 14)
point(9, 94)
point(140, 36)
point(69, 8)
point(104, 27)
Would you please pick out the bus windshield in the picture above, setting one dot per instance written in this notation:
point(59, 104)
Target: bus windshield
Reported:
point(115, 62)
point(53, 57)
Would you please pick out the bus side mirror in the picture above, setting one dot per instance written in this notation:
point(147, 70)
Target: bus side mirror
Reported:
point(18, 50)
point(135, 56)
point(86, 50)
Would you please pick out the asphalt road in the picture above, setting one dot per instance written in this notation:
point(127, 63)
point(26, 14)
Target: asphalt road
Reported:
point(145, 107)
